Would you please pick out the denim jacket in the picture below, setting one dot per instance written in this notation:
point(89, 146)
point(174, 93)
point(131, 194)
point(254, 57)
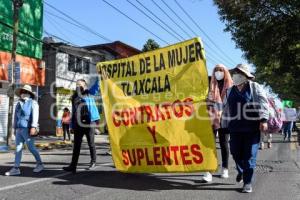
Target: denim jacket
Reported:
point(26, 114)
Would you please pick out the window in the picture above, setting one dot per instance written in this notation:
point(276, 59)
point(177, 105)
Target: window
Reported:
point(79, 65)
point(72, 63)
point(85, 66)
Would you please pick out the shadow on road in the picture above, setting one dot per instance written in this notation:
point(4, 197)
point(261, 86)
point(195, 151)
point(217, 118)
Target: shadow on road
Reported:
point(118, 180)
point(139, 182)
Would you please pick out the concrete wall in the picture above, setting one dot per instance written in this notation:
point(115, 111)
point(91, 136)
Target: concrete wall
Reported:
point(46, 94)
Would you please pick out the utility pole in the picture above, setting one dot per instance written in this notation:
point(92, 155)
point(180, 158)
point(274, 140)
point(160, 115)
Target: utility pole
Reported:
point(17, 4)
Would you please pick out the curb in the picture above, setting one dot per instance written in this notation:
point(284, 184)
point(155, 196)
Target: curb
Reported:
point(47, 145)
point(41, 144)
point(53, 145)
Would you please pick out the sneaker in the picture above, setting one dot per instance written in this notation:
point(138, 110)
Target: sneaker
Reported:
point(247, 188)
point(269, 145)
point(225, 173)
point(207, 177)
point(70, 169)
point(13, 172)
point(261, 146)
point(38, 168)
point(92, 166)
point(239, 178)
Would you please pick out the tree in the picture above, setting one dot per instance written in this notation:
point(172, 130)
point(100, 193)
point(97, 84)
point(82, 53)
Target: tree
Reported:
point(268, 32)
point(150, 45)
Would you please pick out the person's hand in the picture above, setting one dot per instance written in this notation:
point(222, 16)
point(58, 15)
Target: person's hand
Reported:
point(32, 131)
point(72, 131)
point(263, 127)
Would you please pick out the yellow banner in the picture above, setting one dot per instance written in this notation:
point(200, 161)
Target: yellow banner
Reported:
point(156, 112)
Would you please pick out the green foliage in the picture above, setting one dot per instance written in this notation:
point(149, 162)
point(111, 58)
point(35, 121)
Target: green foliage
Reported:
point(30, 27)
point(150, 45)
point(268, 32)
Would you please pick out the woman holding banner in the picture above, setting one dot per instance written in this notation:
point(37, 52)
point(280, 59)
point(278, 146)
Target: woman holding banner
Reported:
point(245, 114)
point(220, 82)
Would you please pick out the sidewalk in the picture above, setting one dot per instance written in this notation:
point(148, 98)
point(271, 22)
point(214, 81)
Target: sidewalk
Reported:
point(53, 142)
point(50, 142)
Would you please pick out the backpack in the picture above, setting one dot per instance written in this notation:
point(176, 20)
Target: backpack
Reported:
point(84, 113)
point(274, 122)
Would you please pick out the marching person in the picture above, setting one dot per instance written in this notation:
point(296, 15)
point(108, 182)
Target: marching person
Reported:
point(220, 82)
point(26, 119)
point(272, 113)
point(85, 117)
point(290, 116)
point(245, 113)
point(66, 123)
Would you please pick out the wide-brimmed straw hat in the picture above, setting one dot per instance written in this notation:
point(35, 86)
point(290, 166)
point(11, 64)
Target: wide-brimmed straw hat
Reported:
point(244, 69)
point(27, 88)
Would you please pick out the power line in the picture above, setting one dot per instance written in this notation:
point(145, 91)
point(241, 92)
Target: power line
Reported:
point(143, 27)
point(45, 43)
point(187, 26)
point(208, 37)
point(175, 32)
point(171, 19)
point(67, 21)
point(134, 21)
point(59, 38)
point(208, 58)
point(77, 22)
point(153, 20)
point(195, 34)
point(54, 24)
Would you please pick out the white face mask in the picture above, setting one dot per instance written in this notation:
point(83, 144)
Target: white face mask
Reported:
point(219, 75)
point(239, 79)
point(25, 96)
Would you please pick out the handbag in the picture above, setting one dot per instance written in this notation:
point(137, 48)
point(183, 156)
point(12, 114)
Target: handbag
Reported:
point(274, 122)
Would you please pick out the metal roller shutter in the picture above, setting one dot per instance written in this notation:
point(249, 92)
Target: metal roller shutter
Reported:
point(3, 116)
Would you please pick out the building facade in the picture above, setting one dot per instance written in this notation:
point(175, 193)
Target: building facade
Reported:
point(65, 64)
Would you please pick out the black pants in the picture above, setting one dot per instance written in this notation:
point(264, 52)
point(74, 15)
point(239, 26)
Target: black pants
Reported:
point(66, 130)
point(224, 145)
point(90, 136)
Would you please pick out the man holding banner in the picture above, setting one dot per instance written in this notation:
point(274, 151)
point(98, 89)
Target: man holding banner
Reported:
point(155, 107)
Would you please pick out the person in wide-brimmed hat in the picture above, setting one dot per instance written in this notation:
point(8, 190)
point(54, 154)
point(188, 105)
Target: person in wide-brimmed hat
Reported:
point(26, 89)
point(245, 114)
point(25, 124)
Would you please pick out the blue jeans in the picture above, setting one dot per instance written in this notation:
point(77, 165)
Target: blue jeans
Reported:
point(244, 147)
point(22, 136)
point(287, 129)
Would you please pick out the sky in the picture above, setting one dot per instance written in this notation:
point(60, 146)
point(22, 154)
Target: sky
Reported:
point(105, 21)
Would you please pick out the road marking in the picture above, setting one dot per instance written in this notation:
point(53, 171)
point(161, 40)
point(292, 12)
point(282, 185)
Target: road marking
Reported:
point(49, 178)
point(107, 164)
point(32, 182)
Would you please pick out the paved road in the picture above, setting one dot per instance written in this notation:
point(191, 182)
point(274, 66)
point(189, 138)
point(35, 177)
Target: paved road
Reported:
point(278, 178)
